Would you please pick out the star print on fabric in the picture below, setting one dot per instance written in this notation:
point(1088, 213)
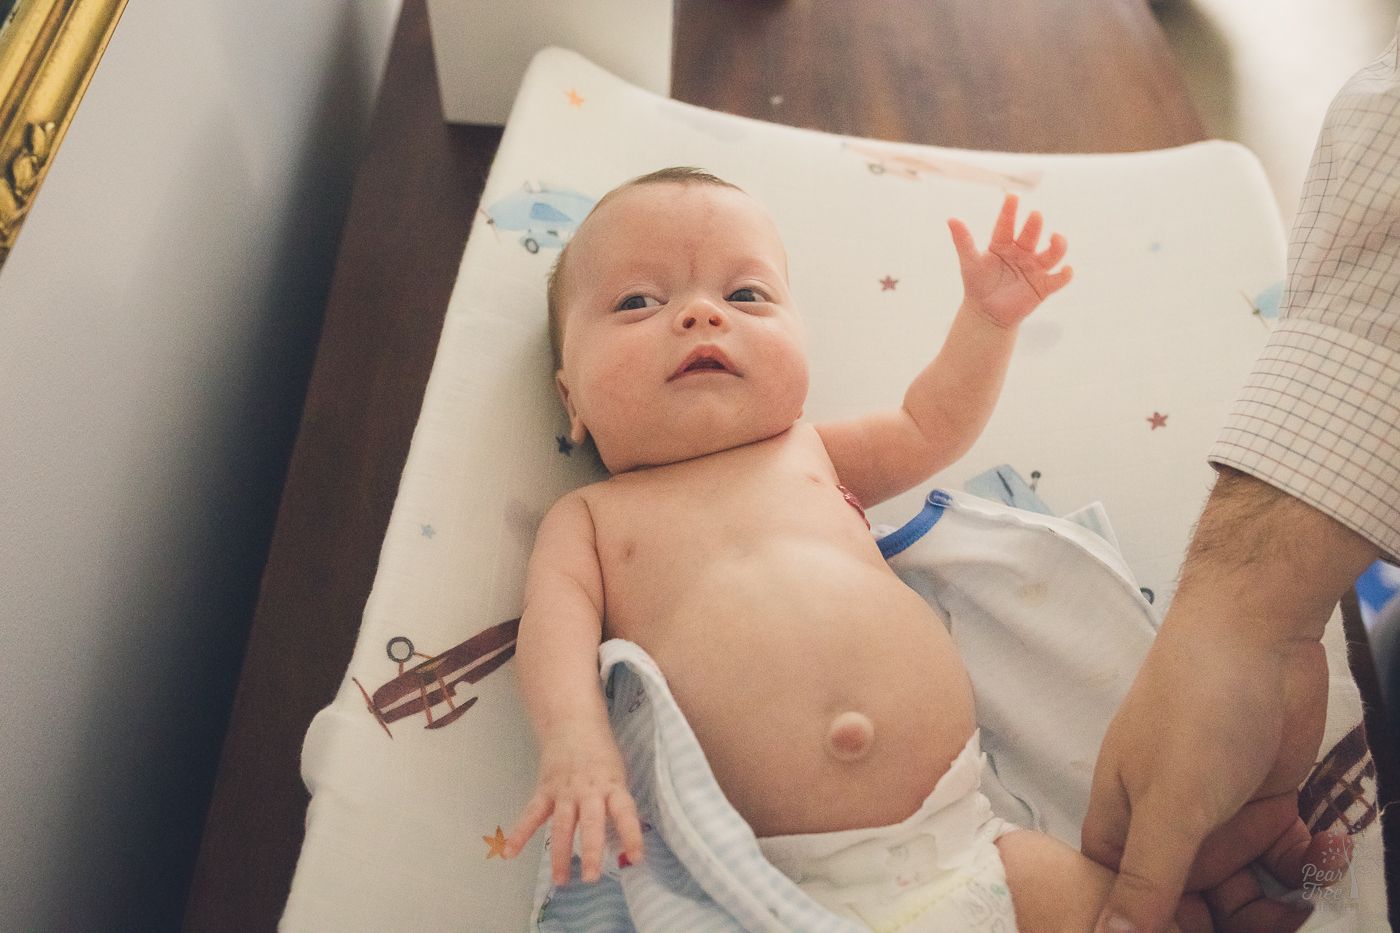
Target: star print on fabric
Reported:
point(566, 446)
point(497, 844)
point(429, 531)
point(1158, 420)
point(888, 283)
point(574, 99)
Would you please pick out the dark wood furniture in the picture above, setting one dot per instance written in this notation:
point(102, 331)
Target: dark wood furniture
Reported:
point(1019, 75)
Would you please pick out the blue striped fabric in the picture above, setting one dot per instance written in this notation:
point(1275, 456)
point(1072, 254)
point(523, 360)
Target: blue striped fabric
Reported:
point(703, 871)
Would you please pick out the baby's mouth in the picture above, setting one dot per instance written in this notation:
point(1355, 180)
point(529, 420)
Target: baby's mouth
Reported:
point(705, 360)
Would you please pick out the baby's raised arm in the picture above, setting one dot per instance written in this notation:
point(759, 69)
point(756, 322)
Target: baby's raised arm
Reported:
point(582, 782)
point(950, 402)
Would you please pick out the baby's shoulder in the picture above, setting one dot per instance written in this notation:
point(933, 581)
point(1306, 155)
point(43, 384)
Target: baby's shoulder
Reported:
point(586, 513)
point(597, 497)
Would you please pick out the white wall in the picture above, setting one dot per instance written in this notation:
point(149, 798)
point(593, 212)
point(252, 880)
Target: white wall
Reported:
point(158, 318)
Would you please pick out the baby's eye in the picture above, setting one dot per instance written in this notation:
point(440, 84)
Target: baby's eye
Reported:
point(637, 303)
point(745, 294)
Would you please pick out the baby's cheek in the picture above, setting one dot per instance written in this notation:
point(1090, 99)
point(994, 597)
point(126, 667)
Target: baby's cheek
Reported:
point(618, 388)
point(786, 362)
point(791, 388)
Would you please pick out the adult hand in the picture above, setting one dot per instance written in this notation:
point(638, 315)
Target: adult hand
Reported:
point(1230, 704)
point(1207, 727)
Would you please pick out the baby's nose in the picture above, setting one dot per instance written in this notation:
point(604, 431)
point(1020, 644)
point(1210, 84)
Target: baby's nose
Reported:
point(713, 318)
point(701, 313)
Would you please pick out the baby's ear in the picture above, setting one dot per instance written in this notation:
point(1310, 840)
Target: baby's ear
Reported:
point(578, 431)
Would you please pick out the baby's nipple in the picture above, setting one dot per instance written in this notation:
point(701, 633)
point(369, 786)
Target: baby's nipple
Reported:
point(850, 736)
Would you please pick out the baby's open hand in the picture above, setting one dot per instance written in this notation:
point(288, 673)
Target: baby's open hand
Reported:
point(580, 789)
point(1010, 278)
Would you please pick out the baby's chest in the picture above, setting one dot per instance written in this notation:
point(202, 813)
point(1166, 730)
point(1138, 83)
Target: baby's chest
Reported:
point(700, 516)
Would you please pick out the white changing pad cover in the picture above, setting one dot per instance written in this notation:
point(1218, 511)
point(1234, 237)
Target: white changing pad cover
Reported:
point(1117, 388)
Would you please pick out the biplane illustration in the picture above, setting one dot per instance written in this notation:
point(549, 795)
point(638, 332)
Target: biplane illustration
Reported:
point(544, 216)
point(433, 683)
point(882, 161)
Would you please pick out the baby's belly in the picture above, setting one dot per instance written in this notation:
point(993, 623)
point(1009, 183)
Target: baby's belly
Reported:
point(826, 694)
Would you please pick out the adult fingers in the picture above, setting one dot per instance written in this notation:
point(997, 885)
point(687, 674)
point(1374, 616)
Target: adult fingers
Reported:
point(1257, 828)
point(1105, 828)
point(1238, 905)
point(1161, 844)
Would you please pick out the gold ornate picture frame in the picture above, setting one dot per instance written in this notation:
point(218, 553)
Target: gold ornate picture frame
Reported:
point(48, 52)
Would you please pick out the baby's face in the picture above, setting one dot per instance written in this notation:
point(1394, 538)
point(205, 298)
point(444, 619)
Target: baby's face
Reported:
point(681, 338)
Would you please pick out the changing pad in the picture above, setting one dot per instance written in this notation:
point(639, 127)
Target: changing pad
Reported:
point(1118, 386)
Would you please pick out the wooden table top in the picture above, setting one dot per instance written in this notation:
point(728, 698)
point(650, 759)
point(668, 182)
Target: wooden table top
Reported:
point(1013, 75)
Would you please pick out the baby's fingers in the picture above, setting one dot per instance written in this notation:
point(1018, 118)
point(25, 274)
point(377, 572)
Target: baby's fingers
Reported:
point(1030, 232)
point(561, 841)
point(1059, 280)
point(963, 240)
point(629, 828)
point(1053, 253)
point(591, 817)
point(1299, 858)
point(1005, 229)
point(531, 819)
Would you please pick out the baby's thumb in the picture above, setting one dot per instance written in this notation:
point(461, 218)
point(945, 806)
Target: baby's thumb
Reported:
point(963, 240)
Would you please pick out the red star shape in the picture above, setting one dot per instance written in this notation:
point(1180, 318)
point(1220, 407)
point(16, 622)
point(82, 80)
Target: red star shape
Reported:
point(888, 283)
point(574, 99)
point(1157, 420)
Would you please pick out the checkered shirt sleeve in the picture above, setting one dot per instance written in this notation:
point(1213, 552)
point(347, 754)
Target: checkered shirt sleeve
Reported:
point(1319, 417)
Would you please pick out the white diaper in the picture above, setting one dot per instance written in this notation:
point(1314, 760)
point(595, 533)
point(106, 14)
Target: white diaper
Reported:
point(937, 870)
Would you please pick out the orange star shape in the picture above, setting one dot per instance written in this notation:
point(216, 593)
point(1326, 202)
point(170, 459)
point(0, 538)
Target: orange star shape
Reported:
point(497, 843)
point(888, 283)
point(1158, 420)
point(574, 99)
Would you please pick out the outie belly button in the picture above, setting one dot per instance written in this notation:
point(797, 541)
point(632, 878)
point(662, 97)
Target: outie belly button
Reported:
point(850, 736)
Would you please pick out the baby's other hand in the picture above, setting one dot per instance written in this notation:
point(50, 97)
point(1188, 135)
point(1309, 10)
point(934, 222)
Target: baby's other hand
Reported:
point(1270, 831)
point(1010, 278)
point(580, 789)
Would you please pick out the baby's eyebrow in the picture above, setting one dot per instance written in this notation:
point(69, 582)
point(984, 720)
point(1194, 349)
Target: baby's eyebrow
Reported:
point(756, 266)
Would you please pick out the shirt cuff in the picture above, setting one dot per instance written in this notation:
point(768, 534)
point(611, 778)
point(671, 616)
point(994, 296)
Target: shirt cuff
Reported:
point(1319, 418)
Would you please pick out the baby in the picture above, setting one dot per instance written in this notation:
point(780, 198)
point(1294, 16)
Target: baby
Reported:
point(728, 521)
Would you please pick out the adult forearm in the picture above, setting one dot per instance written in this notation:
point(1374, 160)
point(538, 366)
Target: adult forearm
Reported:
point(1230, 704)
point(1265, 565)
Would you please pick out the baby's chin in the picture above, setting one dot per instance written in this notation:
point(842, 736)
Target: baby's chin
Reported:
point(660, 451)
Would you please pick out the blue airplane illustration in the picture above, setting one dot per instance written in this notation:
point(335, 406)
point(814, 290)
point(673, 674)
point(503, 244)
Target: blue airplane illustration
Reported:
point(544, 216)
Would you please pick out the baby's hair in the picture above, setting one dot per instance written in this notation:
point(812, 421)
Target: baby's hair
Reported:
point(676, 175)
